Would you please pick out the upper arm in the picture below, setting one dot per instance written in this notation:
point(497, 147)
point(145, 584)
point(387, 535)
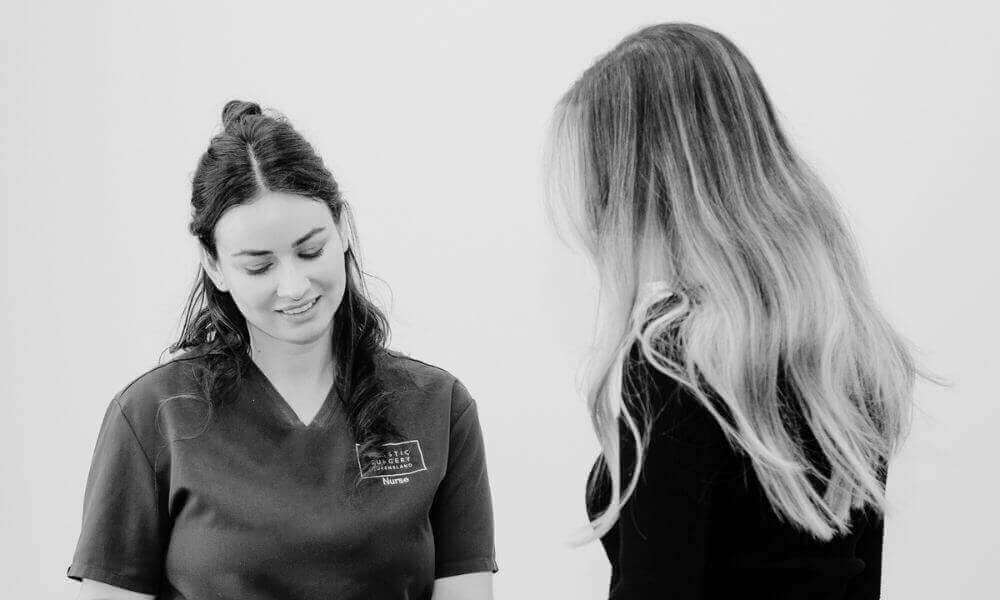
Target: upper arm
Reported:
point(663, 528)
point(123, 530)
point(95, 590)
point(462, 512)
point(469, 586)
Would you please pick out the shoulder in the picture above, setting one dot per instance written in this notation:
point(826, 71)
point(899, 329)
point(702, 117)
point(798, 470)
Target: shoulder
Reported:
point(676, 413)
point(422, 382)
point(134, 418)
point(177, 375)
point(141, 401)
point(393, 362)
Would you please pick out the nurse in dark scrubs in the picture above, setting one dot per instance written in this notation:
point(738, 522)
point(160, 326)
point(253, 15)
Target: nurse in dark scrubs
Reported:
point(748, 392)
point(284, 452)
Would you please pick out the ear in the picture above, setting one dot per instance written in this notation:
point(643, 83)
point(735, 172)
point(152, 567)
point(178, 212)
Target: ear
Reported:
point(211, 267)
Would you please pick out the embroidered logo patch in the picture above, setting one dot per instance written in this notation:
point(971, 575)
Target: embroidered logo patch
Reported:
point(393, 464)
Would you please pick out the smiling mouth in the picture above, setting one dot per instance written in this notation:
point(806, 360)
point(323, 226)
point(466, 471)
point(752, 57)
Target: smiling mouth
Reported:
point(298, 310)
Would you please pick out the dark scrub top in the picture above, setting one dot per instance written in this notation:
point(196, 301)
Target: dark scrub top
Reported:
point(699, 524)
point(249, 503)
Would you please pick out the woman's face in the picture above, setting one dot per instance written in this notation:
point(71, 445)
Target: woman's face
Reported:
point(281, 258)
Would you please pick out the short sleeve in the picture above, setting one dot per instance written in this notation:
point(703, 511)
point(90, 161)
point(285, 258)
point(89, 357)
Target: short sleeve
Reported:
point(123, 535)
point(462, 512)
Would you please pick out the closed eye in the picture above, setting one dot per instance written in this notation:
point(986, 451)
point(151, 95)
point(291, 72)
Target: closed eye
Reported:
point(264, 268)
point(259, 270)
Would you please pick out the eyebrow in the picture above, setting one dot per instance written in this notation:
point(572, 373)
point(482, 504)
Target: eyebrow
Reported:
point(297, 243)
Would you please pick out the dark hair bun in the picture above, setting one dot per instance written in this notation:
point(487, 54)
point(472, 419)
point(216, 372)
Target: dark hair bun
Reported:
point(236, 110)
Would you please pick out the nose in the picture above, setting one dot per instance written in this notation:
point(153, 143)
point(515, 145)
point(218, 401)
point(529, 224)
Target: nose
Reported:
point(293, 283)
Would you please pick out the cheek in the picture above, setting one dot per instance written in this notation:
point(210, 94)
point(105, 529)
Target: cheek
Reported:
point(331, 273)
point(250, 293)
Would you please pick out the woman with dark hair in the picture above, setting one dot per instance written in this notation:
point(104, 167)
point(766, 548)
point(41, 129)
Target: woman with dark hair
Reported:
point(746, 391)
point(284, 452)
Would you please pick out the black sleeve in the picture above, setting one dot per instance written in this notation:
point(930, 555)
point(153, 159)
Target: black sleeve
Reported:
point(123, 532)
point(868, 585)
point(462, 513)
point(663, 528)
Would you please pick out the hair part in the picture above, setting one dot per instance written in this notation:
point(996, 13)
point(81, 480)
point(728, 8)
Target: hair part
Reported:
point(727, 262)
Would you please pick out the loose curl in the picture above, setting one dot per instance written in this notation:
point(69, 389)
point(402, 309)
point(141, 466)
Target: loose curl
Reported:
point(256, 153)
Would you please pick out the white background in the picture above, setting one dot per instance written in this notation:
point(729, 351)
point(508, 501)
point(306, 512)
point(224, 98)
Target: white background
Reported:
point(432, 115)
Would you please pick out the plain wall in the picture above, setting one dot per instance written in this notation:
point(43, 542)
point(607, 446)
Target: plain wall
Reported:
point(432, 114)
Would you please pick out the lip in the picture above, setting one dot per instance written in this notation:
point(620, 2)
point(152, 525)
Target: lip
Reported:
point(298, 306)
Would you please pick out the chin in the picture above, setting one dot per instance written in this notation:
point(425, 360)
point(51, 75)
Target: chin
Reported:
point(309, 335)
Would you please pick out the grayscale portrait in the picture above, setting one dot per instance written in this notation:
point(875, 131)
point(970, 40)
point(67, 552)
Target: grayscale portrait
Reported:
point(462, 301)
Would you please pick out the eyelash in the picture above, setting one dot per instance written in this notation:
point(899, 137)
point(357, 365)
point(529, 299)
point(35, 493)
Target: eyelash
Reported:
point(307, 256)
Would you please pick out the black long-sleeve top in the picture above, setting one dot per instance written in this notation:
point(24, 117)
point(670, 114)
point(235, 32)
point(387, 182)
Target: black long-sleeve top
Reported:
point(699, 525)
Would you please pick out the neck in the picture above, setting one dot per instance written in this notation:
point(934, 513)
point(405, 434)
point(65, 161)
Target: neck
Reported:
point(307, 363)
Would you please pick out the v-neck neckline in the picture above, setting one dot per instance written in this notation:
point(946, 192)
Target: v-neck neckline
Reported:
point(285, 410)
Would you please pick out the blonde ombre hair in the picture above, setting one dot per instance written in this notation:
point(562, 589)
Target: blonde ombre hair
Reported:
point(723, 257)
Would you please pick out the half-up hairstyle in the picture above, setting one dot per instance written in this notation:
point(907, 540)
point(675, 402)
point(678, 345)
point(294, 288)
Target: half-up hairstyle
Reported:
point(256, 153)
point(725, 260)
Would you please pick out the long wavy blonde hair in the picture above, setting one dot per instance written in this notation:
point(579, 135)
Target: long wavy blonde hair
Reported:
point(726, 260)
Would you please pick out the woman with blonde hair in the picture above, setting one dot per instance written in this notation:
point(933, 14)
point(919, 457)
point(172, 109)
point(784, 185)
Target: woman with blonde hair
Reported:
point(746, 391)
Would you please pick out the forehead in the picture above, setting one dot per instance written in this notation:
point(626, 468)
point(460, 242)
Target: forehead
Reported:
point(272, 220)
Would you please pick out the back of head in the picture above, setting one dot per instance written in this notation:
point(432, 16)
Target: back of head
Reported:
point(728, 261)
